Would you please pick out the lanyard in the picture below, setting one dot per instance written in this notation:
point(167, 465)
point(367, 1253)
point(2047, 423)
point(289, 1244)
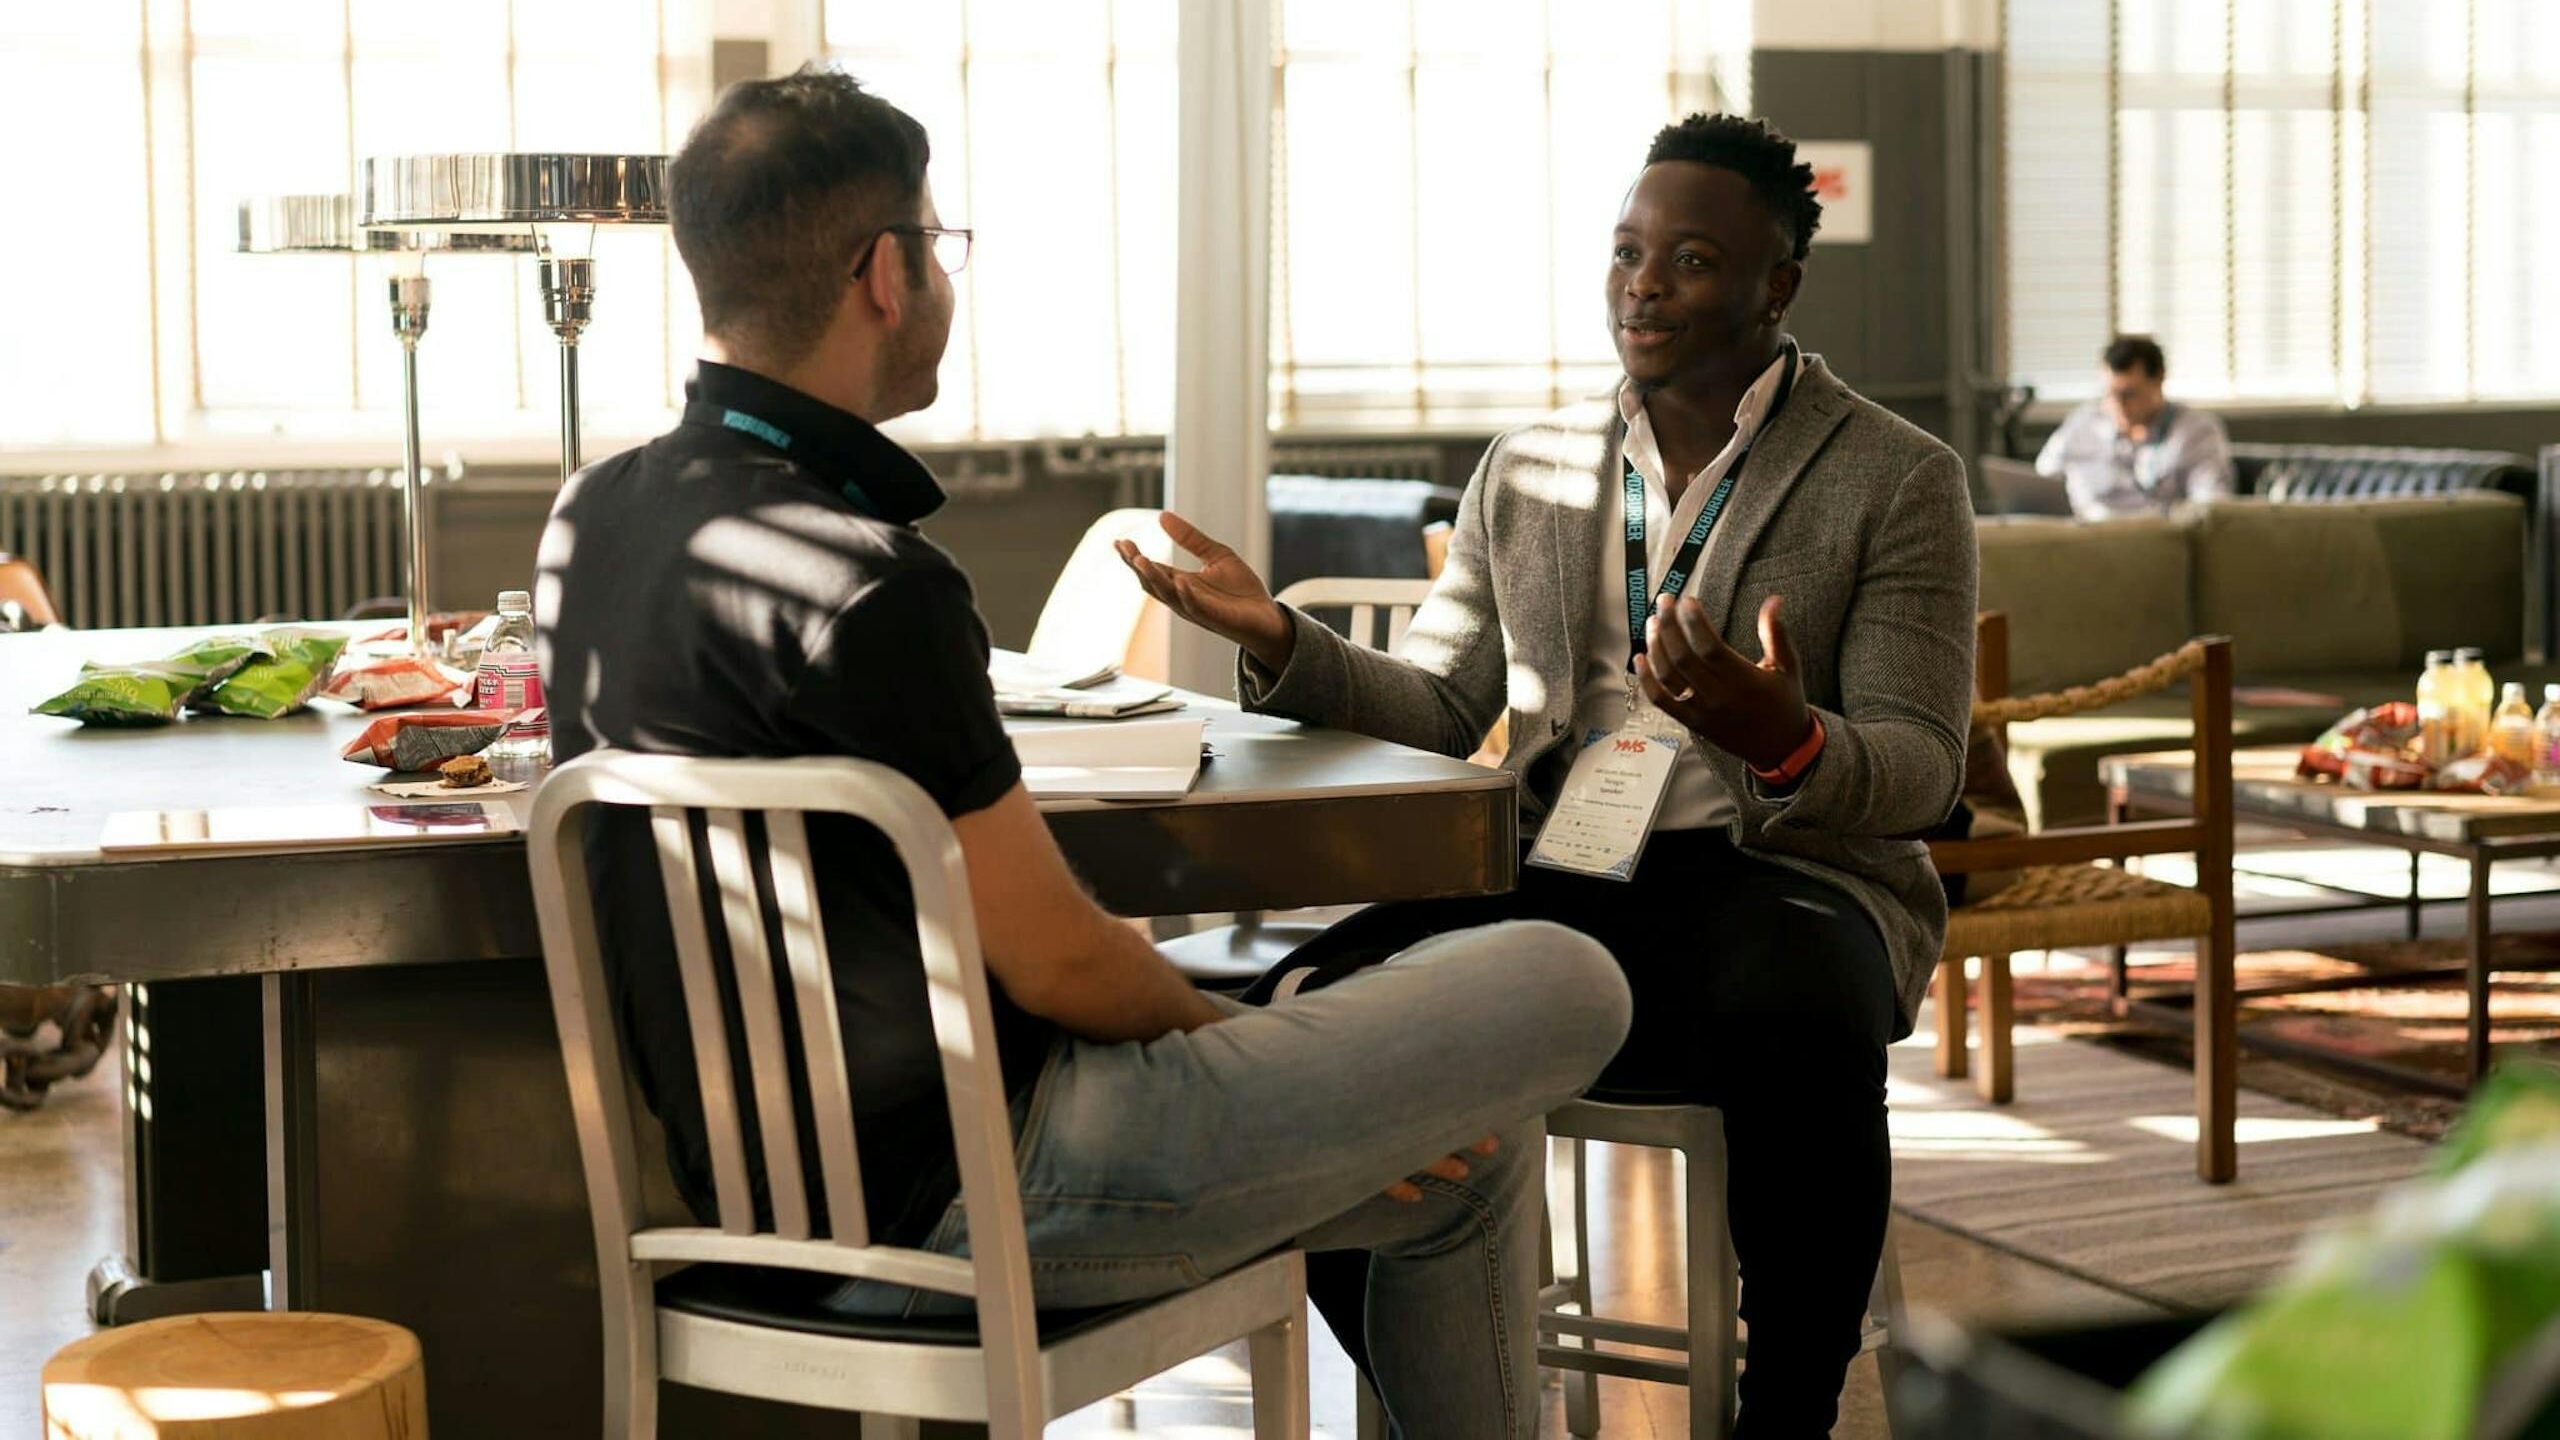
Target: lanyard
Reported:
point(1684, 561)
point(756, 427)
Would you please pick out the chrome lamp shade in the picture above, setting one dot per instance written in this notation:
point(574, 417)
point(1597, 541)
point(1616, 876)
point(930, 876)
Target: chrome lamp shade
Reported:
point(325, 225)
point(513, 191)
point(527, 194)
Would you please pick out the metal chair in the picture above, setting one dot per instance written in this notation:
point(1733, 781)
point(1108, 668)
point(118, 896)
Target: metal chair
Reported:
point(1231, 957)
point(710, 1325)
point(1570, 1335)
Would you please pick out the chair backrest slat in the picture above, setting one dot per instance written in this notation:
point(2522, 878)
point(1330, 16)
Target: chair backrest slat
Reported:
point(804, 952)
point(679, 867)
point(760, 1019)
point(673, 789)
point(1364, 596)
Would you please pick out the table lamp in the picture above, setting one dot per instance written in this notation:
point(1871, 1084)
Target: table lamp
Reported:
point(325, 225)
point(555, 200)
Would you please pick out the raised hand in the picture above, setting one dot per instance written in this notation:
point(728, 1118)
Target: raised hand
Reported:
point(1223, 596)
point(1755, 711)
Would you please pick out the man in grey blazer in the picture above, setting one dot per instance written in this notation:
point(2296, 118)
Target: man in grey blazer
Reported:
point(1790, 617)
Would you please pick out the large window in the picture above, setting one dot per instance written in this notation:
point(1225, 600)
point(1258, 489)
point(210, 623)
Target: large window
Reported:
point(1445, 173)
point(126, 320)
point(2345, 201)
point(1052, 126)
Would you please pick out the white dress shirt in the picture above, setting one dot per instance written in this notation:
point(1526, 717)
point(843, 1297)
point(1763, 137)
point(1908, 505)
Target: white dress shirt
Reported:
point(2186, 457)
point(1697, 799)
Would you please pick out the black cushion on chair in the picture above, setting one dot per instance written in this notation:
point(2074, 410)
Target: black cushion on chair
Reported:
point(796, 1300)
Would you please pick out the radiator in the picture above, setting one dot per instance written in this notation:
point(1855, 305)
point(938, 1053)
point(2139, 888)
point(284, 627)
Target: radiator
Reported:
point(208, 549)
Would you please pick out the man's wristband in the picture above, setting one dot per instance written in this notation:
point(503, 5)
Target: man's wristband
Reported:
point(1798, 761)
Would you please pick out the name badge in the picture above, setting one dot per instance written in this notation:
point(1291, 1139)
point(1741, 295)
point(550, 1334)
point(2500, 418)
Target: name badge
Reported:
point(1605, 812)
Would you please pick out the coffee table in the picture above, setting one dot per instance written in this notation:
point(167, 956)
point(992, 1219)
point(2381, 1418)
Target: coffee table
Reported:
point(2480, 830)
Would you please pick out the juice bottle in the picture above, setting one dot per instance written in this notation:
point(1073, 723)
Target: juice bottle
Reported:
point(2511, 729)
point(2435, 709)
point(2546, 739)
point(2474, 694)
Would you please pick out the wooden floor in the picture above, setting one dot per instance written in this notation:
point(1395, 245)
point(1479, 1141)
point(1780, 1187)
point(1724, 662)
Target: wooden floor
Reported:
point(60, 1208)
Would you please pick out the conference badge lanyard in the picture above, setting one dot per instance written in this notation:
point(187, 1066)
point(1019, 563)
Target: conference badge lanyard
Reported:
point(756, 427)
point(1612, 795)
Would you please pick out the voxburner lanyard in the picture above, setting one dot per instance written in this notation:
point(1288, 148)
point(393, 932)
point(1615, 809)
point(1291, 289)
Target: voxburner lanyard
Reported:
point(756, 427)
point(1684, 561)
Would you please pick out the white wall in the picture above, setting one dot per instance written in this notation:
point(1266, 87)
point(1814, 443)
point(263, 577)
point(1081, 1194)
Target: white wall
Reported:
point(1875, 24)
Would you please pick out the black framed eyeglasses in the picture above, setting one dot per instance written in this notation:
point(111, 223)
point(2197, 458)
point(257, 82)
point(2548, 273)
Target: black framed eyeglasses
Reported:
point(950, 246)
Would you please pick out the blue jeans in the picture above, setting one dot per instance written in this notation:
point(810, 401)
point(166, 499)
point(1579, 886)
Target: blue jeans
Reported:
point(1148, 1167)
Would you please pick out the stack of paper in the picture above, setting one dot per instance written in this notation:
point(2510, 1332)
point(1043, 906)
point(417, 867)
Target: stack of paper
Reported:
point(1156, 758)
point(1015, 673)
point(1025, 687)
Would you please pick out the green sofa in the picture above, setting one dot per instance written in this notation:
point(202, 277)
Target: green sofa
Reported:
point(2341, 599)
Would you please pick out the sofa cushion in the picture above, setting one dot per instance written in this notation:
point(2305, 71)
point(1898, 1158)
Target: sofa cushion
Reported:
point(2367, 585)
point(2084, 601)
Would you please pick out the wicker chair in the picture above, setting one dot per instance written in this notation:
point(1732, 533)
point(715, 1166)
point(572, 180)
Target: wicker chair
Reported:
point(2064, 899)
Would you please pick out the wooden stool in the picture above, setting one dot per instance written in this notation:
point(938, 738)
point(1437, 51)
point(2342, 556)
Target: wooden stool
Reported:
point(250, 1375)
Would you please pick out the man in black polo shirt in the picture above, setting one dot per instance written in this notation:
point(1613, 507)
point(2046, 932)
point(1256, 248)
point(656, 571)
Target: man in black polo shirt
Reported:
point(751, 584)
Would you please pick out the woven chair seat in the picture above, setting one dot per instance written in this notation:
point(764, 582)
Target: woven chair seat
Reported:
point(2051, 907)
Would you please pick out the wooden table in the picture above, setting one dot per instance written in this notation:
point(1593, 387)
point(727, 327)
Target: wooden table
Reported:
point(419, 1161)
point(2480, 830)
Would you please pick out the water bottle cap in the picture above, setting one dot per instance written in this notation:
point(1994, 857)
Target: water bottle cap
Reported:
point(515, 599)
point(2439, 657)
point(2468, 655)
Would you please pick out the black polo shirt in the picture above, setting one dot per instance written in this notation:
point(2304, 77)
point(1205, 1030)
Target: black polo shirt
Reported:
point(751, 584)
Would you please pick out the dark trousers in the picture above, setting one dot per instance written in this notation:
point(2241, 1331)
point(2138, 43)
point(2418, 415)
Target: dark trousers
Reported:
point(1759, 991)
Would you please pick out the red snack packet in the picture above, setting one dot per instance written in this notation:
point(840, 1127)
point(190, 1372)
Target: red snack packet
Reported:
point(388, 684)
point(424, 739)
point(2484, 774)
point(2382, 770)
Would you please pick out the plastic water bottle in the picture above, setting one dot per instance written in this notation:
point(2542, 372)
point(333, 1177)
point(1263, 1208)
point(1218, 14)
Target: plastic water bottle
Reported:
point(2511, 729)
point(510, 679)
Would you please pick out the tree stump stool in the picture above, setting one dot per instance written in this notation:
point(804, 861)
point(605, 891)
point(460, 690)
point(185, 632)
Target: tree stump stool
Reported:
point(251, 1375)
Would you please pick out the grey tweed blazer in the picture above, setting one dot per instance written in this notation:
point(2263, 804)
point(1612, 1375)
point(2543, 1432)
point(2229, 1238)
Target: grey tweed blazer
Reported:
point(1858, 518)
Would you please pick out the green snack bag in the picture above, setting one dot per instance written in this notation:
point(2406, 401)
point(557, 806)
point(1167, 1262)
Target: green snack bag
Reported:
point(121, 695)
point(199, 666)
point(296, 665)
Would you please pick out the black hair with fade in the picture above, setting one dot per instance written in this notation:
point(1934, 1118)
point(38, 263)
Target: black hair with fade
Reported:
point(775, 190)
point(2125, 352)
point(1757, 153)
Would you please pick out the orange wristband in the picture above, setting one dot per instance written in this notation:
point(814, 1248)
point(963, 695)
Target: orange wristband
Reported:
point(1797, 762)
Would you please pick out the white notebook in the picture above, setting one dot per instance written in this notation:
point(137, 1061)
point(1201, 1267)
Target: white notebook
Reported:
point(1154, 757)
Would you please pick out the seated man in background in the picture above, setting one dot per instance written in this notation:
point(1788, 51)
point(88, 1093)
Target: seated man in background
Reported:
point(2130, 451)
point(752, 584)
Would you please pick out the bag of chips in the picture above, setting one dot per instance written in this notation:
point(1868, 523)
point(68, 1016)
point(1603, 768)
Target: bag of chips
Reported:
point(2483, 774)
point(2390, 729)
point(121, 695)
point(389, 684)
point(424, 739)
point(282, 681)
point(152, 692)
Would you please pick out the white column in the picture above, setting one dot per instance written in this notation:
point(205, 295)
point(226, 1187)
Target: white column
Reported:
point(1219, 450)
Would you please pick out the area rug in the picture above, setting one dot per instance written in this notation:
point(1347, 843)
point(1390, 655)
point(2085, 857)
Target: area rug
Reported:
point(2091, 1170)
point(2416, 1023)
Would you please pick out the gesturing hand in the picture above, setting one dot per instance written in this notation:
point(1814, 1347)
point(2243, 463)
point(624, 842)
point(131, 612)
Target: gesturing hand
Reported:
point(1223, 596)
point(1753, 711)
point(1448, 1167)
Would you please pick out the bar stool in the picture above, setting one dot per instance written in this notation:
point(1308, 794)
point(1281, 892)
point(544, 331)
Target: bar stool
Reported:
point(247, 1375)
point(1569, 1334)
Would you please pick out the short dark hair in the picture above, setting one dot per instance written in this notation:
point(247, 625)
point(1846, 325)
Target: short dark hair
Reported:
point(2127, 351)
point(775, 189)
point(1757, 153)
